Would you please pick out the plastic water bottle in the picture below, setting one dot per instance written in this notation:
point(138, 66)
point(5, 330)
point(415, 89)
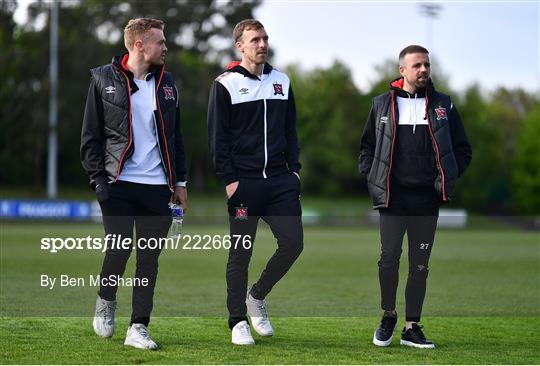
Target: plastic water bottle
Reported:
point(177, 213)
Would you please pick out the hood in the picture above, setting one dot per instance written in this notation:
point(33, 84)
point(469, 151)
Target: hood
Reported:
point(120, 62)
point(397, 86)
point(235, 66)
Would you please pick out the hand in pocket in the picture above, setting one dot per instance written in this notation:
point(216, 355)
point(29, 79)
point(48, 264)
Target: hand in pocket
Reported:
point(231, 188)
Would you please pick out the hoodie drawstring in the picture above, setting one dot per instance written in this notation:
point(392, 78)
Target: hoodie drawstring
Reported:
point(415, 116)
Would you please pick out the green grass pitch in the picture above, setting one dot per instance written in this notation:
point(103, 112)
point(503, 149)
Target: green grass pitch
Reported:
point(482, 304)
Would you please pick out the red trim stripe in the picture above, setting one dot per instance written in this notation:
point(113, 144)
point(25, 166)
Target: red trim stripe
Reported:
point(391, 152)
point(130, 126)
point(436, 148)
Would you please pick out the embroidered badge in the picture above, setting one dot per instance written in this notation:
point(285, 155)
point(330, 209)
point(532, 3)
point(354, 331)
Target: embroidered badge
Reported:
point(110, 90)
point(241, 213)
point(169, 93)
point(243, 91)
point(278, 89)
point(441, 113)
point(384, 119)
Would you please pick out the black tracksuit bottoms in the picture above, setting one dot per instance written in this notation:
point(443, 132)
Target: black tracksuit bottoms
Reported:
point(277, 201)
point(146, 207)
point(415, 211)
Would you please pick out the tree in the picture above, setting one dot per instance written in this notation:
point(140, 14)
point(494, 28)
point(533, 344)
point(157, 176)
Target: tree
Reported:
point(90, 33)
point(23, 101)
point(329, 122)
point(492, 124)
point(526, 164)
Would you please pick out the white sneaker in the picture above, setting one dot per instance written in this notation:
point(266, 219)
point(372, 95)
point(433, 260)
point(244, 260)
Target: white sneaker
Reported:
point(104, 317)
point(241, 334)
point(137, 336)
point(259, 316)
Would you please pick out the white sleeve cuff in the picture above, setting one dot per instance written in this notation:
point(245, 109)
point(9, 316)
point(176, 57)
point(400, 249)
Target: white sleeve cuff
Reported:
point(181, 184)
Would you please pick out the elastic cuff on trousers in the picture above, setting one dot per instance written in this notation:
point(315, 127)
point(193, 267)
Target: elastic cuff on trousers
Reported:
point(234, 321)
point(142, 320)
point(415, 319)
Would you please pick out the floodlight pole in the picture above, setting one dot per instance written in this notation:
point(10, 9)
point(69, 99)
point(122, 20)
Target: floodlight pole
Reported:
point(431, 12)
point(52, 184)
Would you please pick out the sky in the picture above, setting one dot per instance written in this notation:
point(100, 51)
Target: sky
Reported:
point(492, 43)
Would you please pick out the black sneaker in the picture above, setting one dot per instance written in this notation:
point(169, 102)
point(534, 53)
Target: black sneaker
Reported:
point(414, 337)
point(383, 334)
